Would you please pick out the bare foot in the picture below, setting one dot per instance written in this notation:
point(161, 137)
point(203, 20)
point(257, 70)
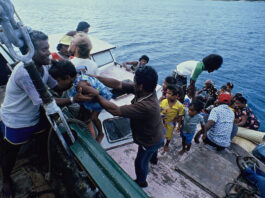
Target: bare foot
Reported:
point(166, 149)
point(181, 152)
point(100, 137)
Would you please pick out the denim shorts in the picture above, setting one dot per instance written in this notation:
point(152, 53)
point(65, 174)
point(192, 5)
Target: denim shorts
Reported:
point(187, 136)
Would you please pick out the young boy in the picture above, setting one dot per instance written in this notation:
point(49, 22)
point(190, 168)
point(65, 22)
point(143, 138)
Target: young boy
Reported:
point(171, 111)
point(169, 80)
point(229, 87)
point(190, 122)
point(188, 98)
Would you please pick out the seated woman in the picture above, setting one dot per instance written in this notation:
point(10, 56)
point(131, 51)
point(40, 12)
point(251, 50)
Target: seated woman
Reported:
point(244, 116)
point(65, 73)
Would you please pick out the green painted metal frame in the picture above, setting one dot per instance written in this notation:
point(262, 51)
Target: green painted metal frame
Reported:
point(109, 177)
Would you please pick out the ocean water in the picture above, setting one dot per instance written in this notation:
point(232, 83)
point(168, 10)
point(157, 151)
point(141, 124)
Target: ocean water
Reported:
point(169, 32)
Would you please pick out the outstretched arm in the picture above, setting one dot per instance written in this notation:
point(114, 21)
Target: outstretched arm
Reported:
point(110, 82)
point(109, 106)
point(133, 63)
point(90, 93)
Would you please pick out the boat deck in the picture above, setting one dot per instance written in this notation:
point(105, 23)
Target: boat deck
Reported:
point(201, 172)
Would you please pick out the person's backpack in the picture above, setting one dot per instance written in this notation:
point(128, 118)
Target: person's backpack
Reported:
point(259, 152)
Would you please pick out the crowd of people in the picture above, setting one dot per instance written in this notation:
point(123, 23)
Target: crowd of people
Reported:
point(219, 112)
point(74, 80)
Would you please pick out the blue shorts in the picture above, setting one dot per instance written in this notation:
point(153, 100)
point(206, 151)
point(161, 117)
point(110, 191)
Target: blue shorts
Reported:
point(22, 135)
point(187, 137)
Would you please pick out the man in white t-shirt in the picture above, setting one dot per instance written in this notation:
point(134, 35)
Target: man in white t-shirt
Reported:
point(193, 69)
point(20, 111)
point(80, 47)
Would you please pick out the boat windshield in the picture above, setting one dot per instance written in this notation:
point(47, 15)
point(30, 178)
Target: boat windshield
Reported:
point(103, 58)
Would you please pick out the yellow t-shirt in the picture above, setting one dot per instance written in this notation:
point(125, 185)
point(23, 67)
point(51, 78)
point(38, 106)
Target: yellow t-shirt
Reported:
point(170, 113)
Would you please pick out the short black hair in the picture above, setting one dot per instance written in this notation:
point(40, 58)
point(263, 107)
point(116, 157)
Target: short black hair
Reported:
point(242, 99)
point(229, 84)
point(147, 76)
point(237, 95)
point(144, 57)
point(61, 69)
point(199, 97)
point(175, 90)
point(170, 80)
point(36, 37)
point(82, 26)
point(223, 87)
point(212, 62)
point(59, 46)
point(197, 104)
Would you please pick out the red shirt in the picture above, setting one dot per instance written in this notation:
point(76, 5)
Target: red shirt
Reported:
point(56, 56)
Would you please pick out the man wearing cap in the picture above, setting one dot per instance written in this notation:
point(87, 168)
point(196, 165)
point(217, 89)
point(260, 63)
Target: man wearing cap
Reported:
point(62, 47)
point(219, 126)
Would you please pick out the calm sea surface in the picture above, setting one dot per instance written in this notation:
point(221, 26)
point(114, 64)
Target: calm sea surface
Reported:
point(169, 32)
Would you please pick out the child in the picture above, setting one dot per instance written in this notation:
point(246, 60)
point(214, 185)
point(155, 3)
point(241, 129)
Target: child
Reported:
point(59, 71)
point(169, 80)
point(171, 111)
point(222, 90)
point(188, 98)
point(94, 107)
point(190, 122)
point(229, 87)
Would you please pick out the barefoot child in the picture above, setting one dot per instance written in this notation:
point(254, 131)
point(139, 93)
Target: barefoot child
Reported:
point(171, 111)
point(190, 122)
point(95, 108)
point(82, 83)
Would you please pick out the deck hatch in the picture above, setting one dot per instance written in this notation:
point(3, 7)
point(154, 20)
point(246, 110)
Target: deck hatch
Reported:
point(117, 129)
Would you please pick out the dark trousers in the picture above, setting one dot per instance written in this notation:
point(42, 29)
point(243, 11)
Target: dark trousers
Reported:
point(8, 158)
point(255, 177)
point(143, 157)
point(218, 148)
point(8, 153)
point(234, 131)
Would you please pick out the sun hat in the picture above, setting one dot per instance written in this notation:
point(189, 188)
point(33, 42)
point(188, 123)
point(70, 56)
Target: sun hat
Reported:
point(66, 40)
